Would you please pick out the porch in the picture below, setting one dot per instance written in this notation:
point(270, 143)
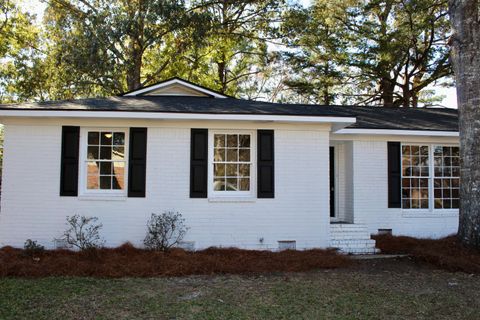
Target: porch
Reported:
point(346, 234)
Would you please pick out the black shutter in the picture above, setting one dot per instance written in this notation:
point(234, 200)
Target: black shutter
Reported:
point(137, 164)
point(265, 164)
point(69, 161)
point(394, 181)
point(198, 163)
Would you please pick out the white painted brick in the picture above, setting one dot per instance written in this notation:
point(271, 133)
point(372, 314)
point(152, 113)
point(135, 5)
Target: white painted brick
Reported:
point(32, 208)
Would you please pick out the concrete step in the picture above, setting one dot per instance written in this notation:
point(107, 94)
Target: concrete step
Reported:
point(348, 227)
point(367, 242)
point(359, 251)
point(352, 239)
point(354, 248)
point(349, 235)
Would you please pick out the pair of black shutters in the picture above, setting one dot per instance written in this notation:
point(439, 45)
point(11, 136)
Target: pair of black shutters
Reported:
point(137, 163)
point(199, 164)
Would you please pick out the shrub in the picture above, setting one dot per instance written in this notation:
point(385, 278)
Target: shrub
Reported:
point(32, 248)
point(164, 231)
point(83, 232)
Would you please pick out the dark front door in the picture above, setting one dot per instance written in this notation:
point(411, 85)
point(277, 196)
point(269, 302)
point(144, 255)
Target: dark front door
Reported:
point(332, 181)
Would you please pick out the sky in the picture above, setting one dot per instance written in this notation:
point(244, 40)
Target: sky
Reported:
point(37, 7)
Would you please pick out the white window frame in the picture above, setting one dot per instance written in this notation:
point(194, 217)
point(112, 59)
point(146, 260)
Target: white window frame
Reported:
point(212, 194)
point(83, 159)
point(431, 176)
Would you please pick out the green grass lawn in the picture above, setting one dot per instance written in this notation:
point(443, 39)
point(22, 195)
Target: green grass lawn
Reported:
point(368, 290)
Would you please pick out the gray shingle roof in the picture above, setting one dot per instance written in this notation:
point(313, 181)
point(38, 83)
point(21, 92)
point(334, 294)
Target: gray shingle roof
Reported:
point(367, 117)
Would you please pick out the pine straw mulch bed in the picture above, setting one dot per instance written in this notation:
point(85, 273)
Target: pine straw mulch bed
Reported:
point(128, 261)
point(446, 253)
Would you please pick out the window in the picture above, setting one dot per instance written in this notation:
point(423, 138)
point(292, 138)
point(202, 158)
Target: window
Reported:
point(105, 163)
point(232, 163)
point(447, 177)
point(430, 174)
point(415, 177)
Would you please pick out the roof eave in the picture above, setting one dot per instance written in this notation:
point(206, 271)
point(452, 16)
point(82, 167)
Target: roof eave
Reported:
point(398, 132)
point(339, 122)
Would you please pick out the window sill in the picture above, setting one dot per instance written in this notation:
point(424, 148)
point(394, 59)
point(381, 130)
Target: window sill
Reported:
point(102, 197)
point(430, 214)
point(232, 199)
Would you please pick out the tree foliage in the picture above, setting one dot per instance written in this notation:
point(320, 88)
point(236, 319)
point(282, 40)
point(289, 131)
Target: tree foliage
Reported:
point(104, 47)
point(18, 47)
point(384, 52)
point(236, 47)
point(368, 52)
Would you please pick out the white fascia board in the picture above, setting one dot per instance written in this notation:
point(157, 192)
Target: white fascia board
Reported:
point(174, 116)
point(170, 82)
point(399, 132)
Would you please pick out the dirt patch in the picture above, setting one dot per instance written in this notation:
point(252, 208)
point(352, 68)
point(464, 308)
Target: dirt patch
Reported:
point(128, 261)
point(446, 253)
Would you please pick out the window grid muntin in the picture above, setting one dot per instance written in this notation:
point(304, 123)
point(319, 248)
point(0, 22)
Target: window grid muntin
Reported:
point(446, 181)
point(100, 160)
point(415, 176)
point(242, 181)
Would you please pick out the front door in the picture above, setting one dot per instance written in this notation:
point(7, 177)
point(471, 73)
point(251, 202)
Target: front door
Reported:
point(332, 182)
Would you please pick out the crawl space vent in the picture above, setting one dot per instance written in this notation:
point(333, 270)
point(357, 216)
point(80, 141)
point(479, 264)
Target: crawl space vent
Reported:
point(385, 232)
point(287, 245)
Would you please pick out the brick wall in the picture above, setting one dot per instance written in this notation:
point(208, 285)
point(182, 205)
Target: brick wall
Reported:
point(32, 208)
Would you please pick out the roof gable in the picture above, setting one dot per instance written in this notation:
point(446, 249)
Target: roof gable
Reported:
point(175, 87)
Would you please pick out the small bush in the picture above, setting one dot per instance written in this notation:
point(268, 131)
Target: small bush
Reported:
point(164, 231)
point(32, 248)
point(83, 232)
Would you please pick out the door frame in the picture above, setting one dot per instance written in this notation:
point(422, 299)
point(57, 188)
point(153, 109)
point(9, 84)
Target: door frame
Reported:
point(332, 185)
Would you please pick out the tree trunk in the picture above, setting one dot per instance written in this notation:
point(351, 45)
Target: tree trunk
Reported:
point(136, 45)
point(134, 70)
point(406, 94)
point(386, 92)
point(417, 81)
point(466, 63)
point(222, 75)
point(325, 89)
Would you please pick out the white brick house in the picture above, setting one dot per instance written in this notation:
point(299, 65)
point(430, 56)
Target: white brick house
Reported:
point(243, 173)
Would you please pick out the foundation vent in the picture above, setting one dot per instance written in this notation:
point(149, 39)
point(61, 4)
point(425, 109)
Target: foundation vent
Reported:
point(385, 232)
point(287, 245)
